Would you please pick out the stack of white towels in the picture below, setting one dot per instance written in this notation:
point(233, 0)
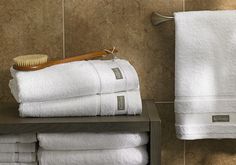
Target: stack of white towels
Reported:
point(82, 88)
point(93, 148)
point(18, 149)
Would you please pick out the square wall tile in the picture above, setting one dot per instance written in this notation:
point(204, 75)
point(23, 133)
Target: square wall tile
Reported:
point(28, 27)
point(172, 148)
point(210, 4)
point(211, 152)
point(94, 25)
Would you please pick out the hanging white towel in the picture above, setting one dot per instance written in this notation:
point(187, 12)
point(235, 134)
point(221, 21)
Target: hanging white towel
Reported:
point(89, 141)
point(129, 156)
point(106, 104)
point(73, 79)
point(18, 138)
point(14, 157)
point(17, 147)
point(205, 74)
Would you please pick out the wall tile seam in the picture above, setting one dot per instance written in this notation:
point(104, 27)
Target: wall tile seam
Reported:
point(183, 1)
point(63, 29)
point(184, 152)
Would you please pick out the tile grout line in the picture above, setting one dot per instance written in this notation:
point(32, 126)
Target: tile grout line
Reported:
point(164, 102)
point(63, 29)
point(183, 5)
point(184, 153)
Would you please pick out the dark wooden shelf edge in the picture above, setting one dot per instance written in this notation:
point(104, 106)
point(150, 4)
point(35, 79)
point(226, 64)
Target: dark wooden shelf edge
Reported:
point(10, 122)
point(155, 132)
point(74, 127)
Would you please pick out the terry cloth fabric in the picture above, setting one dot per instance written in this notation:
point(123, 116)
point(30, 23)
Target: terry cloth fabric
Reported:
point(18, 163)
point(205, 74)
point(18, 138)
point(90, 141)
point(121, 103)
point(73, 79)
point(17, 147)
point(14, 157)
point(128, 156)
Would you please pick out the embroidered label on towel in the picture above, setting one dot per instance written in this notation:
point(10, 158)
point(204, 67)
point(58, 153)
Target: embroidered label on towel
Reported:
point(120, 103)
point(117, 73)
point(220, 118)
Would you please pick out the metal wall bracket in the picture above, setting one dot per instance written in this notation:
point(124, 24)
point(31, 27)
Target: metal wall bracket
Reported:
point(157, 18)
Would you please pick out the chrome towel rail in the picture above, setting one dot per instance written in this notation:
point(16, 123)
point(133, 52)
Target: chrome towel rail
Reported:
point(157, 18)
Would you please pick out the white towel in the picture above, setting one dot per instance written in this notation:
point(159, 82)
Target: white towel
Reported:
point(18, 163)
point(205, 69)
point(73, 79)
point(89, 141)
point(106, 104)
point(14, 157)
point(206, 131)
point(18, 138)
point(17, 147)
point(129, 156)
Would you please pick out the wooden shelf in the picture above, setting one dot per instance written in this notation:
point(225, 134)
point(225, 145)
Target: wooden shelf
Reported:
point(10, 122)
point(149, 121)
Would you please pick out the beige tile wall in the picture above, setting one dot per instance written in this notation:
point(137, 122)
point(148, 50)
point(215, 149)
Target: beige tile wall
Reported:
point(92, 25)
point(36, 26)
point(26, 27)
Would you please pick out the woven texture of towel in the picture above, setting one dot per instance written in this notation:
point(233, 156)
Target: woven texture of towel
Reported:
point(129, 156)
point(205, 53)
point(205, 74)
point(121, 103)
point(18, 163)
point(89, 141)
point(17, 147)
point(18, 138)
point(13, 157)
point(204, 131)
point(73, 79)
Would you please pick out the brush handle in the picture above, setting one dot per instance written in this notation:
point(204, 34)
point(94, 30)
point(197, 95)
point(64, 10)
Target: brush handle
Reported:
point(87, 56)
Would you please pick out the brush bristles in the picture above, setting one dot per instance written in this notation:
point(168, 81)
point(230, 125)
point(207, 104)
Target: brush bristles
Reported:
point(31, 60)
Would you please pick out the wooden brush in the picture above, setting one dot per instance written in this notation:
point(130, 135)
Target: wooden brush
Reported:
point(40, 61)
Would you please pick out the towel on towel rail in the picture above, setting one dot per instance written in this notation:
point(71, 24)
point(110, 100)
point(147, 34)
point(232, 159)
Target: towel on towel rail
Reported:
point(73, 79)
point(105, 104)
point(18, 138)
point(17, 147)
point(16, 157)
point(90, 141)
point(205, 74)
point(128, 156)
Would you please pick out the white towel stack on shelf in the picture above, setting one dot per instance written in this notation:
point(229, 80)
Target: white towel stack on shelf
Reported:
point(93, 148)
point(82, 88)
point(18, 149)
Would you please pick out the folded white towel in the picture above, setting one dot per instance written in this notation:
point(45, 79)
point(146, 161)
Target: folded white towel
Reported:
point(88, 141)
point(18, 163)
point(18, 138)
point(205, 71)
point(17, 147)
point(73, 79)
point(106, 104)
point(14, 157)
point(129, 156)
